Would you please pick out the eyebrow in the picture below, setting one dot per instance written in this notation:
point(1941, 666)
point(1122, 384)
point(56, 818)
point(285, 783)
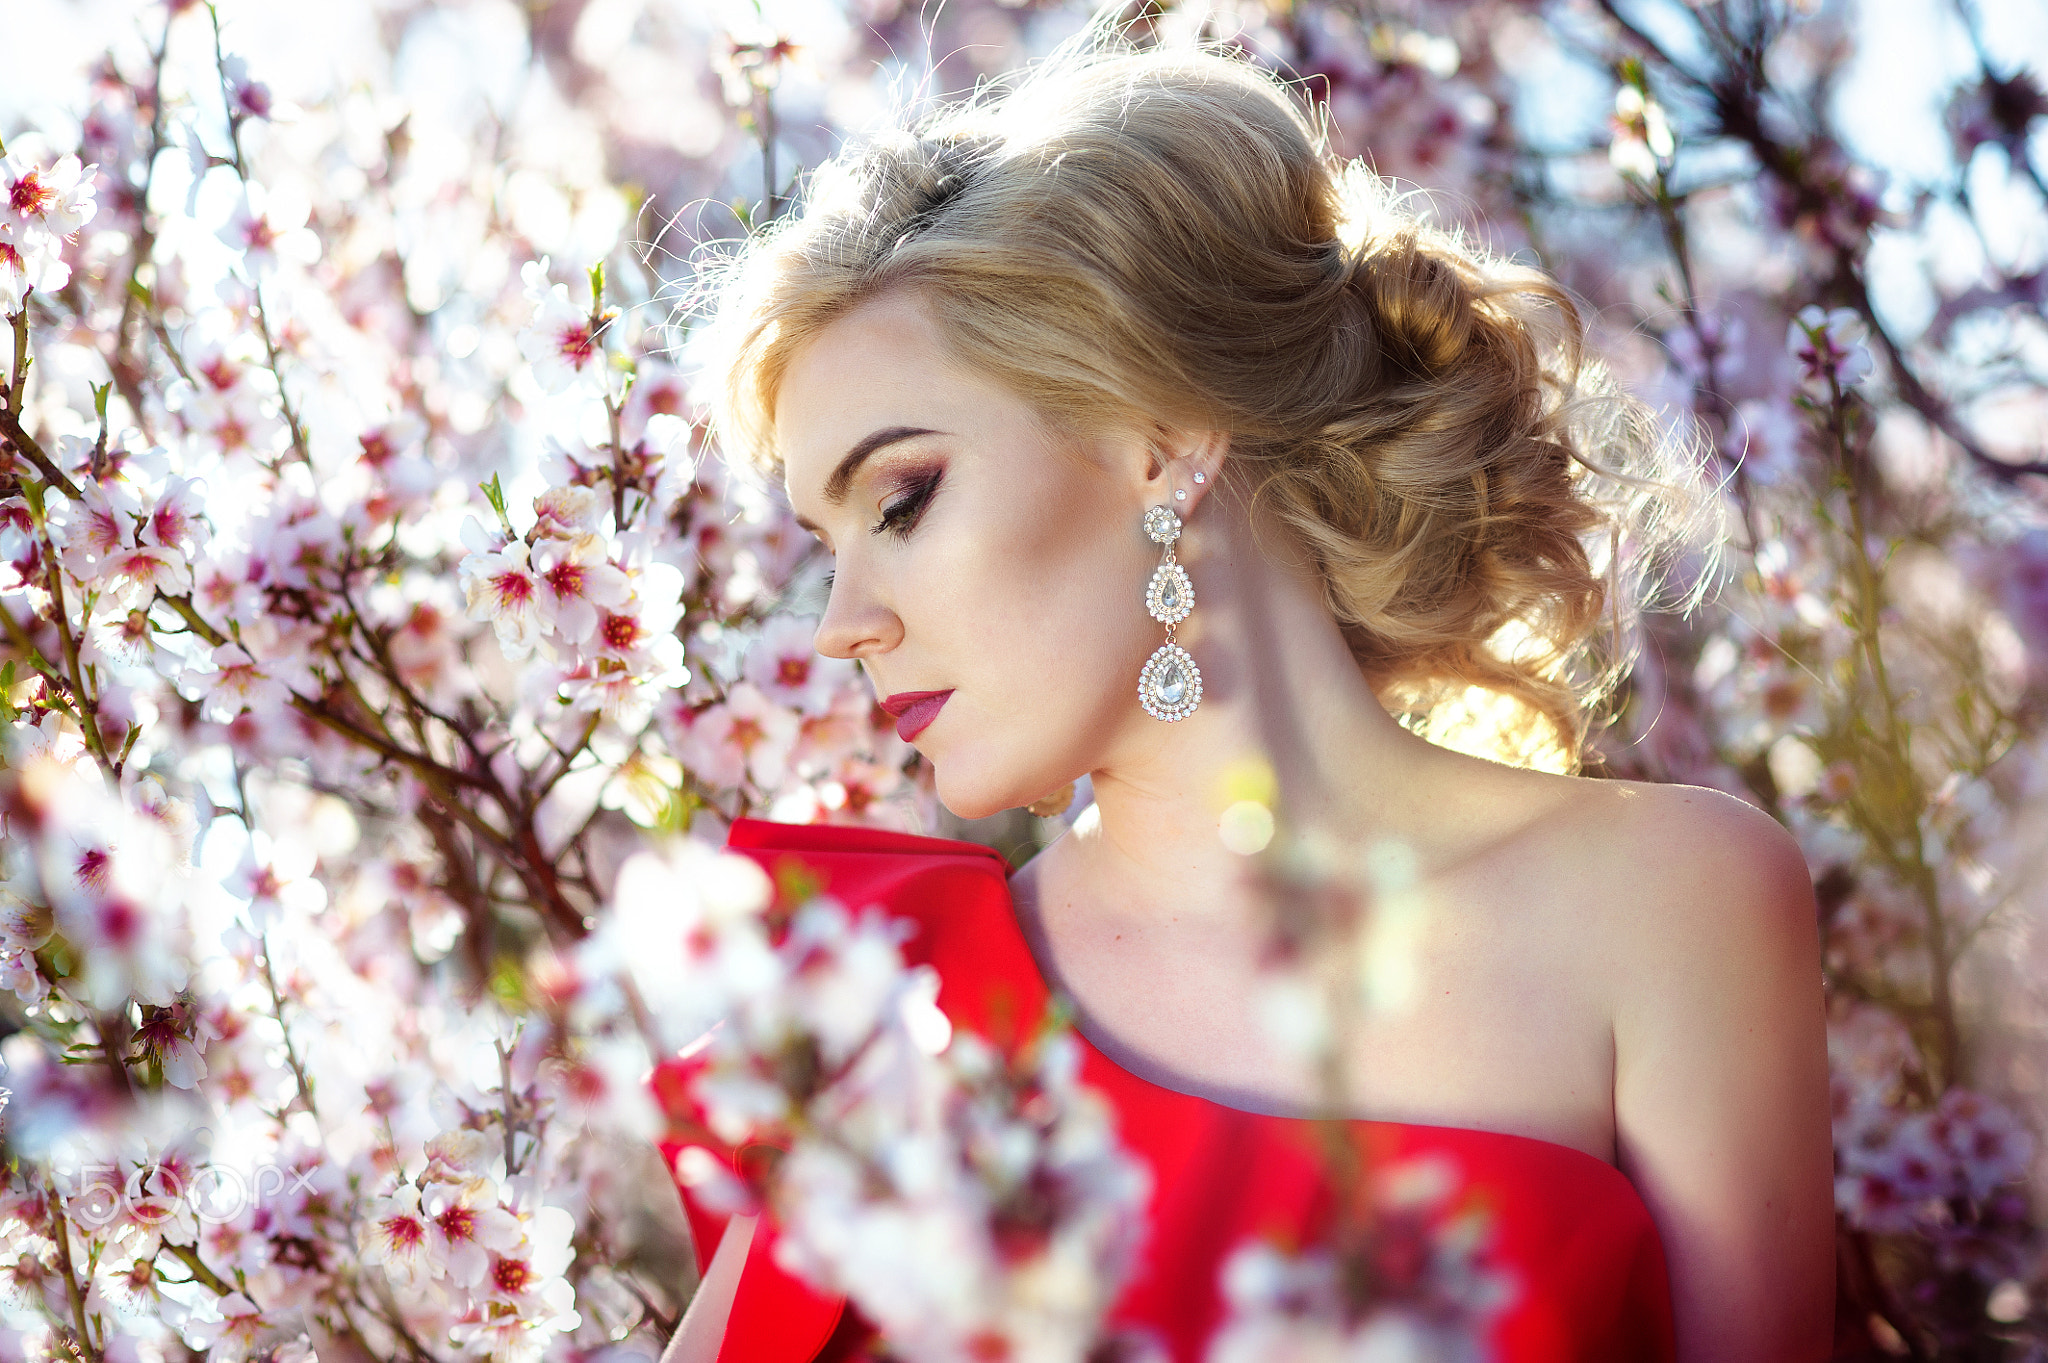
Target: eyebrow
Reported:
point(842, 476)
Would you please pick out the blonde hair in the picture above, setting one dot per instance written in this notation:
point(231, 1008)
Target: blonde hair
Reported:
point(1128, 239)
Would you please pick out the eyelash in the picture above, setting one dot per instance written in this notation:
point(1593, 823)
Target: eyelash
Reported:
point(900, 517)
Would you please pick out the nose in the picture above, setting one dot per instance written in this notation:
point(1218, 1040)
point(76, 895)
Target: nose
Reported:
point(857, 624)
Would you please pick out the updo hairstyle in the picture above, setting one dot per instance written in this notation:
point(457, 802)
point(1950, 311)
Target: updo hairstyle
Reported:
point(1134, 239)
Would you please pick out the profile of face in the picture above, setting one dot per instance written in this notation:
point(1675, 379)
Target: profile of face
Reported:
point(979, 556)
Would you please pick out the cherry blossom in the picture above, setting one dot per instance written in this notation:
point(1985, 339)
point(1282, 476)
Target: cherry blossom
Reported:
point(268, 227)
point(576, 580)
point(29, 261)
point(785, 667)
point(1828, 343)
point(561, 341)
point(505, 589)
point(55, 199)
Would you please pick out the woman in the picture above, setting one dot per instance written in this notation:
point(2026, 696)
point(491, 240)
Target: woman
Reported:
point(988, 360)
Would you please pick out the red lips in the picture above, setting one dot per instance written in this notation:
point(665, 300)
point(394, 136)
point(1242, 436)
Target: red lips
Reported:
point(914, 710)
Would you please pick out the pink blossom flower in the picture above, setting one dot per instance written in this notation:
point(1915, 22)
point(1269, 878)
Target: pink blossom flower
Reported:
point(24, 924)
point(624, 700)
point(525, 1281)
point(229, 587)
point(17, 528)
point(276, 877)
point(126, 637)
point(1829, 346)
point(162, 1042)
point(250, 98)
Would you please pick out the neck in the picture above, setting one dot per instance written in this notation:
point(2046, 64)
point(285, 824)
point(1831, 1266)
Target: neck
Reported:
point(1284, 706)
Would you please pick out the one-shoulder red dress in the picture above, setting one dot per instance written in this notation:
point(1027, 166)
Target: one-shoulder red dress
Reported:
point(1583, 1259)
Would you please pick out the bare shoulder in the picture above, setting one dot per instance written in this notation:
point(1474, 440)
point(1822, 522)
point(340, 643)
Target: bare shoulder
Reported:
point(1683, 864)
point(1710, 953)
point(1684, 904)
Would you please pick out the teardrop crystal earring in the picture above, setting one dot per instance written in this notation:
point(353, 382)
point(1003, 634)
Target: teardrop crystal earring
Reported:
point(1170, 687)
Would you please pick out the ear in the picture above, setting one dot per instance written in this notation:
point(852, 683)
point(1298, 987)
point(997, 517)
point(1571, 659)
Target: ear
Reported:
point(1183, 467)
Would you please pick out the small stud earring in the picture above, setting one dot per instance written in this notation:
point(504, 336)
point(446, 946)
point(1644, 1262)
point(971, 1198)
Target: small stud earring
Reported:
point(1201, 477)
point(1180, 494)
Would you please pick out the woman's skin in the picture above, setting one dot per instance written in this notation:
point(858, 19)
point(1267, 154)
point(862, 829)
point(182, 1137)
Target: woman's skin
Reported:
point(1626, 969)
point(702, 1328)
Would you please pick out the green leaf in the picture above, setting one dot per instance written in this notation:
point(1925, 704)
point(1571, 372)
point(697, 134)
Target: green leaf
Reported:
point(494, 493)
point(508, 982)
point(597, 286)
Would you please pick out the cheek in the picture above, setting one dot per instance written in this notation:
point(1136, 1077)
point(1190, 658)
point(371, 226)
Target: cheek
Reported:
point(1050, 595)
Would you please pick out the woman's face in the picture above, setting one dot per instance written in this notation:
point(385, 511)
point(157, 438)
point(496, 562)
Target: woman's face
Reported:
point(989, 576)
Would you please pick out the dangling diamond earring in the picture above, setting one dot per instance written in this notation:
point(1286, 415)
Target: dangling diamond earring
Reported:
point(1170, 687)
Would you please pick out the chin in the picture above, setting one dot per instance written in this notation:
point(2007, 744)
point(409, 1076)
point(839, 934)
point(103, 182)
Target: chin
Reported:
point(971, 794)
point(973, 803)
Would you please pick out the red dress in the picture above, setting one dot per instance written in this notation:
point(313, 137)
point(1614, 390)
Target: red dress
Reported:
point(1572, 1233)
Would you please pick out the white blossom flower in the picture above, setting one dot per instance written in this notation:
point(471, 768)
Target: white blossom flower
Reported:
point(561, 341)
point(503, 588)
point(746, 735)
point(268, 227)
point(229, 680)
point(29, 261)
point(787, 667)
point(163, 1042)
point(134, 575)
point(576, 577)
point(465, 1225)
point(95, 528)
point(177, 520)
point(569, 512)
point(56, 199)
point(393, 1232)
